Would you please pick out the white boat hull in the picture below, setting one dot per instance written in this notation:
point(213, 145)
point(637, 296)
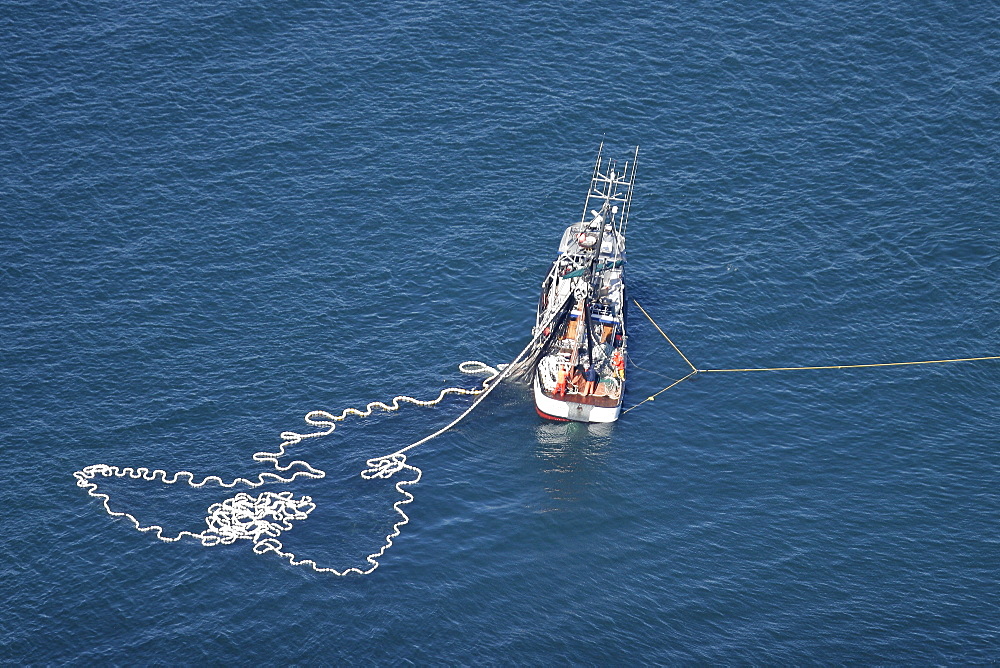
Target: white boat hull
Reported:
point(555, 409)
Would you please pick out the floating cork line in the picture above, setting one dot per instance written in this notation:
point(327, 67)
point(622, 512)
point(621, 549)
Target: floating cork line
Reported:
point(262, 519)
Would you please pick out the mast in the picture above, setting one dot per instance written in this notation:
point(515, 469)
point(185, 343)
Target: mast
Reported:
point(593, 177)
point(628, 195)
point(615, 189)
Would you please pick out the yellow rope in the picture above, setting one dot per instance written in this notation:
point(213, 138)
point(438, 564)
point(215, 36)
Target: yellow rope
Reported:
point(693, 368)
point(652, 397)
point(851, 366)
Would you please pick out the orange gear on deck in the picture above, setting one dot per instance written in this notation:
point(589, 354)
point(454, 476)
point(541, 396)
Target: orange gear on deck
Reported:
point(560, 388)
point(618, 360)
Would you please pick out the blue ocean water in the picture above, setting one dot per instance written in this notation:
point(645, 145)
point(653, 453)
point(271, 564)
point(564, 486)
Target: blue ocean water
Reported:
point(215, 218)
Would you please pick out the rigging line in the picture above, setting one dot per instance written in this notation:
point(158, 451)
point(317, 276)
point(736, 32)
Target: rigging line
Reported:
point(694, 369)
point(852, 366)
point(389, 462)
point(652, 397)
point(489, 387)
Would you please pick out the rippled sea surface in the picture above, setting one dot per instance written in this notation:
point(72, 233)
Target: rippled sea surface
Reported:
point(216, 217)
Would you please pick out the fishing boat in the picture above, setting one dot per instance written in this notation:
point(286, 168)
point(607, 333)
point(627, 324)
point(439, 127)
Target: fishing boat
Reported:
point(578, 368)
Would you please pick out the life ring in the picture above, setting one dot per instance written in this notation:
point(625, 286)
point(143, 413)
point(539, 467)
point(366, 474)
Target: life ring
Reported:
point(585, 240)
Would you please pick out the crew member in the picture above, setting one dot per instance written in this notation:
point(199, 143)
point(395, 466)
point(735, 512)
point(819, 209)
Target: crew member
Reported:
point(560, 381)
point(618, 361)
point(590, 380)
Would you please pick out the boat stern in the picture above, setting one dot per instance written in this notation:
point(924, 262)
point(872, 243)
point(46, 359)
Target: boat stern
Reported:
point(557, 409)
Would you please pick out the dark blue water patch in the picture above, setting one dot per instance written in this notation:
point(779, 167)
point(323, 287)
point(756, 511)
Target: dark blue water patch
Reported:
point(216, 219)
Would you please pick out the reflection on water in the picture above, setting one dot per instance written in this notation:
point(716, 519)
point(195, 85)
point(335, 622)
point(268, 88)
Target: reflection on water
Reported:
point(573, 454)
